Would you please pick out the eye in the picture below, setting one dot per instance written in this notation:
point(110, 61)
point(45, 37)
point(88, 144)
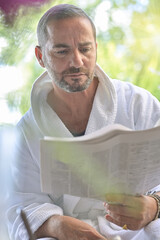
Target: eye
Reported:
point(61, 52)
point(85, 49)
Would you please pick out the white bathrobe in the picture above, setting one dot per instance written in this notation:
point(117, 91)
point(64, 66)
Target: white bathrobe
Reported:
point(114, 102)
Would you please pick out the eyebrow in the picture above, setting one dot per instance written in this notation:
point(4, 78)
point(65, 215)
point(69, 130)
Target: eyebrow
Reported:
point(62, 45)
point(85, 44)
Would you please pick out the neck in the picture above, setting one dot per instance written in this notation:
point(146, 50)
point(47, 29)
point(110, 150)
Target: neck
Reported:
point(73, 108)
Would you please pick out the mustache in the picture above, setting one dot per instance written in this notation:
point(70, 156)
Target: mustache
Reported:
point(75, 70)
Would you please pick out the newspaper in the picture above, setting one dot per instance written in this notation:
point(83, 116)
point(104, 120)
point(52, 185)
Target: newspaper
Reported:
point(114, 159)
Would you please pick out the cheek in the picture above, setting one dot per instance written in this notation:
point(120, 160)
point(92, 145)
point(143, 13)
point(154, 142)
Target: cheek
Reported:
point(60, 66)
point(92, 58)
point(57, 65)
point(91, 62)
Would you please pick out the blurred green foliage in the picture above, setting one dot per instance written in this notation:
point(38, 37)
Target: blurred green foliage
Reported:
point(128, 46)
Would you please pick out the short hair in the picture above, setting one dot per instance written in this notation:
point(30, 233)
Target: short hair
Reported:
point(58, 12)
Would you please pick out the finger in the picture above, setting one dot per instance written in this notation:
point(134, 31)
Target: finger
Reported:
point(119, 198)
point(132, 224)
point(115, 221)
point(112, 197)
point(124, 210)
point(126, 200)
point(103, 238)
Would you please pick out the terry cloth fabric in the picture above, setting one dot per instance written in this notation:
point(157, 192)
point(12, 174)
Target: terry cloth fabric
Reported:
point(114, 102)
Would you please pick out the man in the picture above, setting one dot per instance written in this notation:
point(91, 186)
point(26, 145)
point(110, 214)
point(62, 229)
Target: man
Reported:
point(72, 98)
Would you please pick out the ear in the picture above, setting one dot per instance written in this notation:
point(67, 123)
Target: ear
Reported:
point(38, 53)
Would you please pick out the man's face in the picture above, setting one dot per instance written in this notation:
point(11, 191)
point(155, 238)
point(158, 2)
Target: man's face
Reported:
point(69, 54)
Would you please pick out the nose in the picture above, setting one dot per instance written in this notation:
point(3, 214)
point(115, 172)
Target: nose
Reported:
point(76, 59)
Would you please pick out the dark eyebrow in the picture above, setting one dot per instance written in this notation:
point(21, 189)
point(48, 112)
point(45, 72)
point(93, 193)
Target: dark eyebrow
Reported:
point(85, 44)
point(61, 45)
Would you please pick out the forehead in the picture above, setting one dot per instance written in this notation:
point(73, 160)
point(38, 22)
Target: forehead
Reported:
point(70, 28)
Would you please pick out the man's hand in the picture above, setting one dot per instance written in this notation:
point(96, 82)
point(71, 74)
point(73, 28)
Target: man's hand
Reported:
point(134, 211)
point(64, 228)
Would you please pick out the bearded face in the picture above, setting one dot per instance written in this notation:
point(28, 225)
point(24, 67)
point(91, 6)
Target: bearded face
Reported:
point(70, 53)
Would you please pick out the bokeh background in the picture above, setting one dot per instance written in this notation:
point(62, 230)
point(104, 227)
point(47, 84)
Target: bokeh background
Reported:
point(128, 36)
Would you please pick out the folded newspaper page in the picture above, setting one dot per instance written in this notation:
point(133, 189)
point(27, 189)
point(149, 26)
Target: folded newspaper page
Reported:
point(113, 159)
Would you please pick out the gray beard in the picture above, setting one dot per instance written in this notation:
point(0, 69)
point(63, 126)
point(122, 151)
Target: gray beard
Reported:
point(75, 87)
point(67, 87)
